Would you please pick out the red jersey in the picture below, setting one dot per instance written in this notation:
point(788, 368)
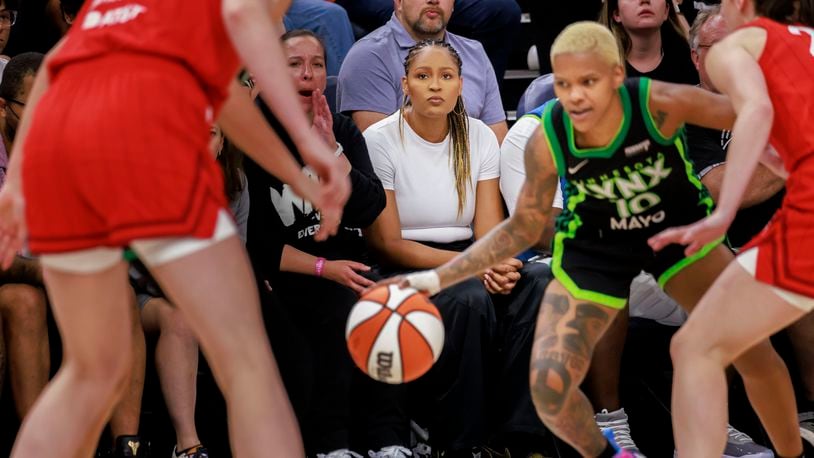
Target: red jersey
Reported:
point(786, 247)
point(787, 62)
point(118, 148)
point(191, 33)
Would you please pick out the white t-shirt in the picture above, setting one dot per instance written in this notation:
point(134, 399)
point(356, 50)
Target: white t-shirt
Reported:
point(512, 167)
point(422, 177)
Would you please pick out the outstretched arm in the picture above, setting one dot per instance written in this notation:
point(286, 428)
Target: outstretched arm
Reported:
point(522, 229)
point(734, 70)
point(677, 104)
point(255, 29)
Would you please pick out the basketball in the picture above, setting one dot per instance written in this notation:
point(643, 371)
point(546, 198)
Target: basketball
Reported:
point(394, 335)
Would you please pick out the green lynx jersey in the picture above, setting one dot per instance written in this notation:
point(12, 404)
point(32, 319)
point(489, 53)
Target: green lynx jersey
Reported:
point(631, 189)
point(616, 197)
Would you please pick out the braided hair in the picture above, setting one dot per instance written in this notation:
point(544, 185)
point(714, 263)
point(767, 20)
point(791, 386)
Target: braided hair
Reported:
point(457, 119)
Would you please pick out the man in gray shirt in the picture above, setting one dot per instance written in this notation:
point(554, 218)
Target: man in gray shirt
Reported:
point(370, 78)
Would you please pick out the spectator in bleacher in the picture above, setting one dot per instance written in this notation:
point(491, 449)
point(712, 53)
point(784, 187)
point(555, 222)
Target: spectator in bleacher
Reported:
point(315, 284)
point(370, 79)
point(329, 21)
point(494, 23)
point(652, 39)
point(764, 196)
point(8, 17)
point(39, 26)
point(440, 171)
point(22, 297)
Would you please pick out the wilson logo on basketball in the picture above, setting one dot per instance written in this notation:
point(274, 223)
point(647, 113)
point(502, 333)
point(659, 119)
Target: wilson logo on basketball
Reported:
point(384, 364)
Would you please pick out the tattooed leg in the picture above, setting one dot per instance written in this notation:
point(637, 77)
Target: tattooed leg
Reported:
point(567, 331)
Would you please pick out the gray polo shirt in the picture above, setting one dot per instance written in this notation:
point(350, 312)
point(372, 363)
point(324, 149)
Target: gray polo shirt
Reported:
point(370, 77)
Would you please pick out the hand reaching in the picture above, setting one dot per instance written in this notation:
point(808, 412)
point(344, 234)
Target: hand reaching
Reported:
point(695, 236)
point(345, 273)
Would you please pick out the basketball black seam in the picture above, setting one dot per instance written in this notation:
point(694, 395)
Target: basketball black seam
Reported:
point(421, 334)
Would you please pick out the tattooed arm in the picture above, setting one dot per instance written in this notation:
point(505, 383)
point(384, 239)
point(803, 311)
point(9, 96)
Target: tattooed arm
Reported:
point(522, 229)
point(672, 105)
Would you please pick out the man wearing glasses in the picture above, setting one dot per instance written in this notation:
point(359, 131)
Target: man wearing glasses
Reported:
point(7, 19)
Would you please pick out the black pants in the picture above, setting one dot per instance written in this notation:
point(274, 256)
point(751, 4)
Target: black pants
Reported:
point(510, 402)
point(479, 387)
point(336, 404)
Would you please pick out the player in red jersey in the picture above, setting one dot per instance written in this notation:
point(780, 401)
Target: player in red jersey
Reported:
point(767, 70)
point(113, 152)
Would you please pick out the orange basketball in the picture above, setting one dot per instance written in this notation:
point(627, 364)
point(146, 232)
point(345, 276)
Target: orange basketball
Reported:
point(394, 335)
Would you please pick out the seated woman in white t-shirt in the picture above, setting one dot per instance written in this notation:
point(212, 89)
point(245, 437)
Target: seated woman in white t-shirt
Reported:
point(440, 171)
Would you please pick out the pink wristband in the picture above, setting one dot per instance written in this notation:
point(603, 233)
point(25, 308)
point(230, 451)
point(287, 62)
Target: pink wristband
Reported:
point(319, 266)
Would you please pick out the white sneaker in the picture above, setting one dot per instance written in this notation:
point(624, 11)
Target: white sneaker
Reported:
point(740, 445)
point(341, 453)
point(616, 421)
point(393, 451)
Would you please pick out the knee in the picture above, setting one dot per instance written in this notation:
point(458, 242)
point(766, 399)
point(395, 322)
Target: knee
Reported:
point(686, 346)
point(23, 305)
point(107, 364)
point(679, 347)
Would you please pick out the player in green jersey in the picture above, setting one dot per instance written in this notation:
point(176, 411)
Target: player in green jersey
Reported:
point(619, 146)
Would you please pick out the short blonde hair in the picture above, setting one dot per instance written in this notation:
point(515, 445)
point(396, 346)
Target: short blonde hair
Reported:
point(589, 37)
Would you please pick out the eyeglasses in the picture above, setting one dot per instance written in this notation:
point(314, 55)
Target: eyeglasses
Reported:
point(8, 18)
